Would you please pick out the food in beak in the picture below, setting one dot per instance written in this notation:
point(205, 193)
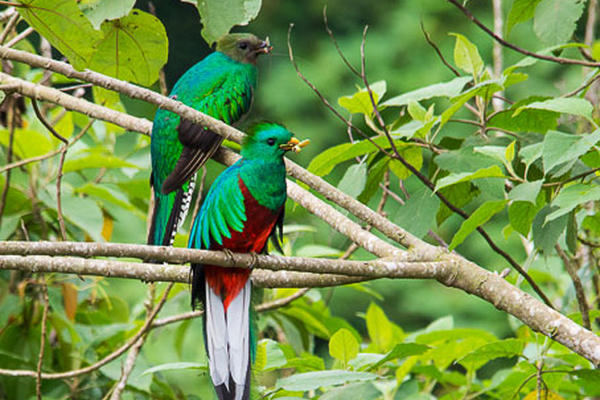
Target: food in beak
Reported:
point(295, 145)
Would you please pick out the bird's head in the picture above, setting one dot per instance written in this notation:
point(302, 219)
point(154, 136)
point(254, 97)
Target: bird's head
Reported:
point(243, 47)
point(269, 140)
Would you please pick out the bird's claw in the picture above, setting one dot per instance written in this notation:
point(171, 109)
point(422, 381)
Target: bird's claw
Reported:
point(254, 260)
point(230, 256)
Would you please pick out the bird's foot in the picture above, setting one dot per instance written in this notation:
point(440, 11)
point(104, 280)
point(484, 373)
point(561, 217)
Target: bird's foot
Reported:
point(230, 256)
point(254, 260)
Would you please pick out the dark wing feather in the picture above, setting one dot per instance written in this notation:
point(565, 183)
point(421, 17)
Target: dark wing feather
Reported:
point(199, 146)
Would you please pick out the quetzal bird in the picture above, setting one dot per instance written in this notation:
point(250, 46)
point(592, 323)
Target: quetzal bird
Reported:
point(221, 85)
point(243, 207)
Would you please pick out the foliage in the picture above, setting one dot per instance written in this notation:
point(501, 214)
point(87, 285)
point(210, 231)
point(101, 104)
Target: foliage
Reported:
point(526, 171)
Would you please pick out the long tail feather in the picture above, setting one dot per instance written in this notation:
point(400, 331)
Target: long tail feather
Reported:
point(228, 343)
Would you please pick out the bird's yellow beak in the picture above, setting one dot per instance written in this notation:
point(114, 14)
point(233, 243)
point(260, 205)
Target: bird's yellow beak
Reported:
point(295, 145)
point(264, 47)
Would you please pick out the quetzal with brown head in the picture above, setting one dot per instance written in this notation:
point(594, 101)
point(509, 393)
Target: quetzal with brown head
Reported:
point(242, 209)
point(221, 85)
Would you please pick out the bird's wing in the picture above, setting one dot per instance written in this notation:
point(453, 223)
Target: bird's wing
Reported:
point(223, 210)
point(228, 100)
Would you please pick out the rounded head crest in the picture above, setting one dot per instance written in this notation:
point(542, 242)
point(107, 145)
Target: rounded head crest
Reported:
point(265, 140)
point(243, 47)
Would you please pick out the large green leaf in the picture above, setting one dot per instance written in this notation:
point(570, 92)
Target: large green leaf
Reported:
point(65, 27)
point(493, 171)
point(565, 105)
point(554, 21)
point(315, 380)
point(354, 180)
point(459, 195)
point(96, 160)
point(358, 390)
point(562, 147)
point(527, 120)
point(219, 16)
point(526, 191)
point(381, 330)
point(446, 89)
point(546, 234)
point(521, 215)
point(360, 102)
point(466, 56)
point(417, 215)
point(343, 346)
point(520, 11)
point(176, 366)
point(97, 11)
point(483, 214)
point(490, 351)
point(572, 196)
point(401, 350)
point(132, 48)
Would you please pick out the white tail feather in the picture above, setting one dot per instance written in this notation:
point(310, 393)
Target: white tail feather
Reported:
point(238, 338)
point(216, 341)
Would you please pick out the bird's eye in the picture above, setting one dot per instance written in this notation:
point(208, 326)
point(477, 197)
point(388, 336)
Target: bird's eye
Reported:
point(271, 141)
point(243, 45)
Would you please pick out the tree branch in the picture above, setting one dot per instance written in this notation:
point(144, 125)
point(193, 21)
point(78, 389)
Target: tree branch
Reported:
point(449, 269)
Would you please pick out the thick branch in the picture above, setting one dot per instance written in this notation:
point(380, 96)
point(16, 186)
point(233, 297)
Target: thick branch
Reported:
point(450, 270)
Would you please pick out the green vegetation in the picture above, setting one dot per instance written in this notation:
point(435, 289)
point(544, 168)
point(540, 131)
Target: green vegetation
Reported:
point(514, 149)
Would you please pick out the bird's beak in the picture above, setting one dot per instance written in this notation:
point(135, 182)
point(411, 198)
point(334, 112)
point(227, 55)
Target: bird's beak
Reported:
point(295, 145)
point(264, 47)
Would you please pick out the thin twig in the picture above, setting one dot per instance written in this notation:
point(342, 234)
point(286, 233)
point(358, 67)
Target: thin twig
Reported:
point(11, 120)
point(584, 86)
point(335, 43)
point(12, 22)
point(63, 154)
point(584, 307)
point(38, 376)
point(438, 51)
point(514, 47)
point(20, 37)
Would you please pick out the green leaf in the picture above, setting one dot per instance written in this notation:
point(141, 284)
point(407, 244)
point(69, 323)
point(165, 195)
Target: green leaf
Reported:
point(28, 143)
point(315, 380)
point(466, 56)
point(354, 180)
point(401, 350)
point(133, 48)
point(359, 390)
point(520, 11)
point(526, 191)
point(482, 215)
point(485, 89)
point(65, 27)
point(493, 171)
point(565, 105)
point(374, 178)
point(446, 89)
point(360, 102)
point(521, 215)
point(459, 195)
point(96, 160)
point(531, 153)
point(413, 155)
point(572, 196)
point(561, 147)
point(555, 21)
point(176, 366)
point(343, 346)
point(545, 235)
point(417, 215)
point(380, 328)
point(115, 197)
point(219, 16)
point(324, 163)
point(503, 348)
point(509, 154)
point(527, 120)
point(97, 11)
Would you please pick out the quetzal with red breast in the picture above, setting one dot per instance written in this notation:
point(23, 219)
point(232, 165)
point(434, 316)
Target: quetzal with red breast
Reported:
point(221, 85)
point(243, 207)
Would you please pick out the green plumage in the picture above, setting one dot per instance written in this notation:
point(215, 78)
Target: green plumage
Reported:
point(218, 86)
